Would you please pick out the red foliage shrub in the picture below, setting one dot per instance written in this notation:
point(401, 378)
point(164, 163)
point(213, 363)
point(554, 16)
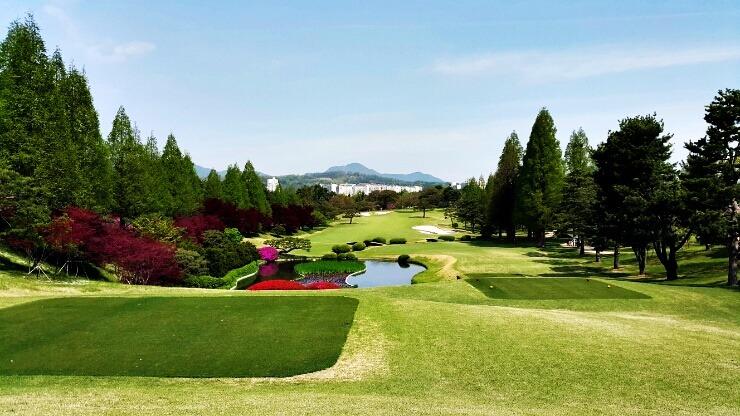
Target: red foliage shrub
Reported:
point(196, 225)
point(323, 285)
point(277, 285)
point(247, 221)
point(138, 260)
point(293, 217)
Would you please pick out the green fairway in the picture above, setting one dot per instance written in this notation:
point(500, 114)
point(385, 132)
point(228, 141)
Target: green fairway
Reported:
point(175, 336)
point(551, 288)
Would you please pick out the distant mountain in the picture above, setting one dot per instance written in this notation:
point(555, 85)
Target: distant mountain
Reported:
point(352, 173)
point(203, 172)
point(404, 177)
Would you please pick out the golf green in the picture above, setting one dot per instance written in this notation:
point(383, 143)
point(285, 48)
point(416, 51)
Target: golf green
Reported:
point(551, 288)
point(235, 336)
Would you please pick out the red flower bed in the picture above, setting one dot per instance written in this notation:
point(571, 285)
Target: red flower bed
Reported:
point(323, 285)
point(277, 285)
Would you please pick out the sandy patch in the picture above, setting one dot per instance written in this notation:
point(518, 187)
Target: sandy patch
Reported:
point(365, 214)
point(382, 212)
point(430, 229)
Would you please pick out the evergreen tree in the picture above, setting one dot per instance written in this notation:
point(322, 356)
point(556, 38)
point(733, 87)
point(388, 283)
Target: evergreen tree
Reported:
point(212, 186)
point(540, 181)
point(94, 188)
point(255, 189)
point(129, 161)
point(157, 191)
point(712, 178)
point(26, 89)
point(234, 188)
point(579, 191)
point(639, 190)
point(503, 194)
point(182, 181)
point(57, 170)
point(471, 206)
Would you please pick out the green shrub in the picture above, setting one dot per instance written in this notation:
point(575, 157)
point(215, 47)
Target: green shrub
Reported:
point(329, 267)
point(466, 237)
point(329, 256)
point(341, 248)
point(224, 254)
point(342, 256)
point(350, 256)
point(226, 282)
point(203, 282)
point(367, 242)
point(397, 241)
point(358, 246)
point(455, 225)
point(403, 258)
point(380, 240)
point(447, 237)
point(191, 263)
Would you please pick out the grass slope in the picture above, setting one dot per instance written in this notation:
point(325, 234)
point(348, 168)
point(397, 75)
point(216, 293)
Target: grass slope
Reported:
point(551, 288)
point(174, 336)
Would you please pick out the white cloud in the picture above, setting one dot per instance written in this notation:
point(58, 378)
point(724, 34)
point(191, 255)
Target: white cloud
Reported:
point(585, 62)
point(106, 51)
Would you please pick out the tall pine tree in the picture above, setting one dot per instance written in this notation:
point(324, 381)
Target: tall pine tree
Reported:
point(712, 178)
point(255, 189)
point(212, 186)
point(540, 182)
point(503, 194)
point(130, 176)
point(579, 191)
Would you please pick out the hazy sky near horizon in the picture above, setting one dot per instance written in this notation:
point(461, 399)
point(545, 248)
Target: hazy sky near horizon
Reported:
point(431, 86)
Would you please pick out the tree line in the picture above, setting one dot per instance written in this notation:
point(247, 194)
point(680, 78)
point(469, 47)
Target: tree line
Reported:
point(625, 193)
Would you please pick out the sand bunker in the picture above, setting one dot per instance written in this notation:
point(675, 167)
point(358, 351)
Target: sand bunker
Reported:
point(430, 229)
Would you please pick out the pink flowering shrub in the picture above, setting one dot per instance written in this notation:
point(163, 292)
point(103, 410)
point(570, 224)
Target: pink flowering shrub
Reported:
point(268, 253)
point(269, 269)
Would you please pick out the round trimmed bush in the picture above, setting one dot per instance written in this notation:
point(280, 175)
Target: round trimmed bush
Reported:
point(329, 256)
point(397, 241)
point(350, 256)
point(403, 258)
point(466, 237)
point(447, 237)
point(358, 246)
point(342, 256)
point(277, 285)
point(455, 225)
point(367, 242)
point(380, 240)
point(341, 248)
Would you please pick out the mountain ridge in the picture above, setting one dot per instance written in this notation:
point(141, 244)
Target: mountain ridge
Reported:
point(352, 172)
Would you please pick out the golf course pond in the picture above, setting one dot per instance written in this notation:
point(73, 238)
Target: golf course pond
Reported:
point(377, 273)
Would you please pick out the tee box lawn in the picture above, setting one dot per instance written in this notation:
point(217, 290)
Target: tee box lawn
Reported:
point(545, 288)
point(266, 336)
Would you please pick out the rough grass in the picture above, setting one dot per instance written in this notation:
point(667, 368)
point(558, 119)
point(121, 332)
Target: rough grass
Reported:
point(174, 336)
point(551, 288)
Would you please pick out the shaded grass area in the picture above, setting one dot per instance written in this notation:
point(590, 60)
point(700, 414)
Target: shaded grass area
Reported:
point(175, 336)
point(551, 288)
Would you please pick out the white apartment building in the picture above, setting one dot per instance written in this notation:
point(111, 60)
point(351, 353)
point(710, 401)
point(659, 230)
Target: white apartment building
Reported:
point(350, 189)
point(272, 184)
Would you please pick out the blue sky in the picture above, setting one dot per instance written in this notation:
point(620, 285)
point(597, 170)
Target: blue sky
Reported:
point(432, 86)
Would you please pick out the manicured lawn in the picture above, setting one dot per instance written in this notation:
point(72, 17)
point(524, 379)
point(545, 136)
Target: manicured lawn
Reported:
point(174, 336)
point(551, 288)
